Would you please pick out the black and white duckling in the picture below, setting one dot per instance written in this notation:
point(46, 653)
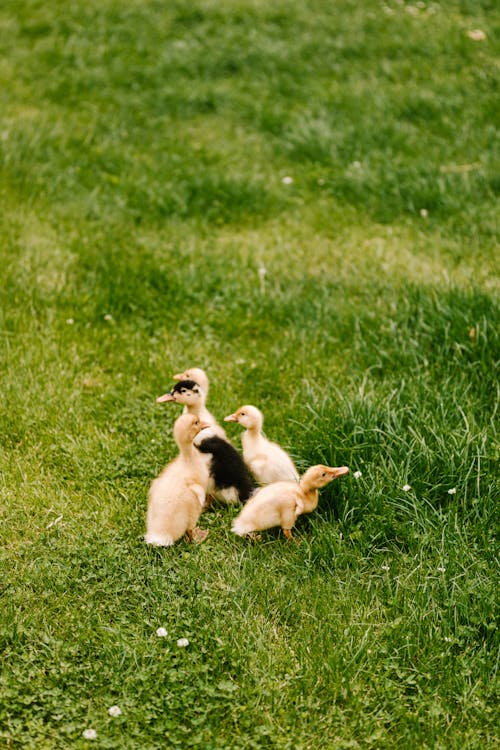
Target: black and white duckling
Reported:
point(192, 395)
point(230, 479)
point(177, 495)
point(267, 461)
point(280, 503)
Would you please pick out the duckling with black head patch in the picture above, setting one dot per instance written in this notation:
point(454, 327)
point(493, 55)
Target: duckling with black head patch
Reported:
point(192, 395)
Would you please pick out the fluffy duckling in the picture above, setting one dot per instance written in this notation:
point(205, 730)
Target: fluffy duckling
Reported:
point(177, 495)
point(230, 478)
point(267, 461)
point(193, 396)
point(280, 503)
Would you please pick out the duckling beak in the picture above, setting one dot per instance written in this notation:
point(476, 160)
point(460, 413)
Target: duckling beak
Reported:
point(339, 471)
point(166, 397)
point(204, 425)
point(231, 418)
point(179, 376)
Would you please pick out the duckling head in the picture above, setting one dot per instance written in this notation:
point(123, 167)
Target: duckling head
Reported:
point(187, 427)
point(318, 476)
point(247, 416)
point(194, 373)
point(184, 392)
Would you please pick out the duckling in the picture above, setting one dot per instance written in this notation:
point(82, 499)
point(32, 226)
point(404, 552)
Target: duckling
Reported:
point(177, 495)
point(280, 503)
point(267, 461)
point(192, 395)
point(229, 477)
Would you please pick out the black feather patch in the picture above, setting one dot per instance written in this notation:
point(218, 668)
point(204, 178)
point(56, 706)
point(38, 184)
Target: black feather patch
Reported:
point(227, 467)
point(185, 385)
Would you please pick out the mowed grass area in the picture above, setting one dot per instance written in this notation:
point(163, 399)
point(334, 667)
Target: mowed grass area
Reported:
point(146, 227)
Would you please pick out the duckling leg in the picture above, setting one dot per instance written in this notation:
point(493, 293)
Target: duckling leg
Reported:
point(197, 535)
point(288, 534)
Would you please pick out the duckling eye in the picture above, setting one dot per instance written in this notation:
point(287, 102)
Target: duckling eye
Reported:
point(243, 414)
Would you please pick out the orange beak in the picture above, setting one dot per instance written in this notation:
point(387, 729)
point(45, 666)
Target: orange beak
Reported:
point(231, 418)
point(179, 376)
point(204, 425)
point(166, 397)
point(339, 471)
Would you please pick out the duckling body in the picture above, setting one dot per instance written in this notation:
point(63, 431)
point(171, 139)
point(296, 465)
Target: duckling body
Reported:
point(280, 503)
point(230, 478)
point(267, 461)
point(193, 396)
point(177, 495)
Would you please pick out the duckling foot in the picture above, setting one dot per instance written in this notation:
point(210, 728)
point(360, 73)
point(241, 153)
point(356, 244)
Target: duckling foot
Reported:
point(197, 535)
point(288, 534)
point(254, 536)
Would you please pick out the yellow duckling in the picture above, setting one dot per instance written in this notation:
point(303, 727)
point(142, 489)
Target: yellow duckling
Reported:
point(267, 461)
point(177, 495)
point(280, 503)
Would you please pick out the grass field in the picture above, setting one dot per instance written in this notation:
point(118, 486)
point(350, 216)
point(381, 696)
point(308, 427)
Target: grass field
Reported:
point(302, 199)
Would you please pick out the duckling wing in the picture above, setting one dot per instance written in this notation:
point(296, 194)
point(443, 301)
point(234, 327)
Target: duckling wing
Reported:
point(270, 463)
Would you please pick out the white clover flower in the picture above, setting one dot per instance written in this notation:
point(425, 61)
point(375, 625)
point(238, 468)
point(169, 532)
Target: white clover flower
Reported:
point(447, 639)
point(441, 569)
point(287, 180)
point(356, 164)
point(70, 321)
point(406, 487)
point(183, 642)
point(108, 317)
point(357, 474)
point(452, 491)
point(424, 213)
point(161, 633)
point(476, 35)
point(90, 734)
point(114, 711)
point(262, 271)
point(385, 567)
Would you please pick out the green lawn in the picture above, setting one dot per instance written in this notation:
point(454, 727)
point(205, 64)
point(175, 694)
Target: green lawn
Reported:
point(301, 198)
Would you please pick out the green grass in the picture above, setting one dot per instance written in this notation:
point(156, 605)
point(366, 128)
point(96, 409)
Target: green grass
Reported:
point(143, 149)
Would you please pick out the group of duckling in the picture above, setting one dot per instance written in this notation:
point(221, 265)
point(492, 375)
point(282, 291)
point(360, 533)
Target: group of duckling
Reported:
point(265, 479)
